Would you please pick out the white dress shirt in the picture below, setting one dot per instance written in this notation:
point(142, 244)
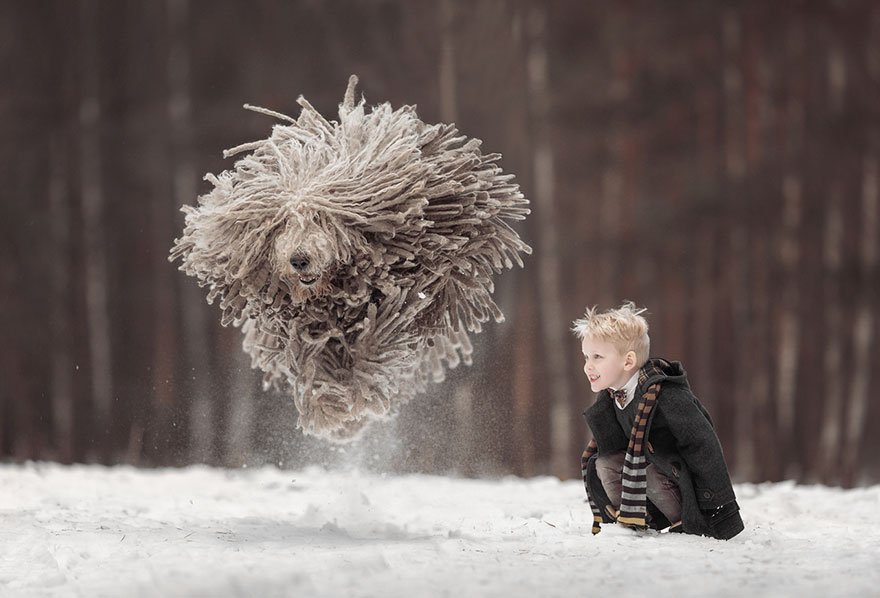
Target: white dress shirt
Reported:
point(630, 388)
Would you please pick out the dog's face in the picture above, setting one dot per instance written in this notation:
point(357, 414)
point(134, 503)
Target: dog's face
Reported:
point(304, 254)
point(308, 251)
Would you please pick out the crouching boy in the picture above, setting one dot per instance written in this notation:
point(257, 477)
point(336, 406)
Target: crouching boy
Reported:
point(655, 460)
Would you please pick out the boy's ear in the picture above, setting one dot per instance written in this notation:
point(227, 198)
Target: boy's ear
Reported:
point(629, 361)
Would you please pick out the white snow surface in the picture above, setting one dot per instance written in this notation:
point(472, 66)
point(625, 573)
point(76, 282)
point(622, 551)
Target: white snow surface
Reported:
point(198, 531)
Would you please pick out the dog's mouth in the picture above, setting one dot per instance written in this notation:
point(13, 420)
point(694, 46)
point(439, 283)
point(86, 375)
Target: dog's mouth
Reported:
point(308, 279)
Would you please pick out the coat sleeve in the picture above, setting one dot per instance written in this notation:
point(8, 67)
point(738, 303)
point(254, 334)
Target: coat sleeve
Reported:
point(699, 447)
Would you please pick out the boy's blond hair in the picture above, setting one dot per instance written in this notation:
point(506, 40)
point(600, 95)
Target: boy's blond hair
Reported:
point(624, 327)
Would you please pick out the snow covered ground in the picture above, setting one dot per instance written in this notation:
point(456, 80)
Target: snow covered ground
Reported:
point(95, 531)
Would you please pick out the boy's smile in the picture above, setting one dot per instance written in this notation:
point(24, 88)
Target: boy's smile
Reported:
point(604, 365)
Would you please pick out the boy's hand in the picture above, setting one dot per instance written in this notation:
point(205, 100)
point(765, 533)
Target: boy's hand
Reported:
point(722, 512)
point(585, 458)
point(720, 520)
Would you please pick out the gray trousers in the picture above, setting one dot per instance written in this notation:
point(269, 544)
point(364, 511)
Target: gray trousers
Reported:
point(662, 490)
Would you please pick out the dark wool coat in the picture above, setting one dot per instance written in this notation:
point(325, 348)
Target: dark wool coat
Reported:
point(682, 444)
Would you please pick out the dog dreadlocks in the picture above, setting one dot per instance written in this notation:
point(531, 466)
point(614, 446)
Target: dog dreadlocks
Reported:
point(356, 256)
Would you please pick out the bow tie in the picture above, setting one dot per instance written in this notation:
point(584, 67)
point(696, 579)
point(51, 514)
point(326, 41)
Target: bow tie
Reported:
point(619, 396)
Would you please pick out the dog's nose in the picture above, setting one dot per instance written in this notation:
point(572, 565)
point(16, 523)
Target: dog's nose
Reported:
point(299, 262)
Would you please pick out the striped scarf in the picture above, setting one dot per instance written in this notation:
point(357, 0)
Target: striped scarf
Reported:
point(633, 500)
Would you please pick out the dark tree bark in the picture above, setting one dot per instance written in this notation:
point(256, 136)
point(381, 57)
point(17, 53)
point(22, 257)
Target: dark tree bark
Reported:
point(718, 165)
point(92, 206)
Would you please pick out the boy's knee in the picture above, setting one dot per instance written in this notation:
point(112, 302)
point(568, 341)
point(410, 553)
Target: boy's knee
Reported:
point(664, 492)
point(610, 462)
point(658, 481)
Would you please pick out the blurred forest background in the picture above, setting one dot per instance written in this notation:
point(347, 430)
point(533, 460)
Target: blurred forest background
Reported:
point(717, 162)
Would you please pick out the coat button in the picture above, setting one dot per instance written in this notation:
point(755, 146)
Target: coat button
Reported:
point(707, 494)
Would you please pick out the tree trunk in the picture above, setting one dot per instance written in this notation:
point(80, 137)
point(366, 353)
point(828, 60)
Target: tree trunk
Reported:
point(240, 422)
point(553, 320)
point(194, 321)
point(738, 249)
point(92, 205)
point(834, 388)
point(788, 325)
point(524, 388)
point(62, 360)
point(864, 326)
point(448, 112)
point(156, 142)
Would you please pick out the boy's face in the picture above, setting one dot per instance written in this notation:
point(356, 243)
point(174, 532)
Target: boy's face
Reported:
point(605, 366)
